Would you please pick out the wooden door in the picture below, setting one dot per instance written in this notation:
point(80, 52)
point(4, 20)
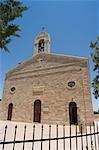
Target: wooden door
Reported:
point(37, 111)
point(10, 107)
point(73, 113)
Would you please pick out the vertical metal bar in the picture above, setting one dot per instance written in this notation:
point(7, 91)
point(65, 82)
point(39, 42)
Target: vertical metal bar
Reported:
point(91, 139)
point(94, 136)
point(64, 137)
point(86, 139)
point(41, 137)
point(98, 134)
point(24, 136)
point(76, 139)
point(14, 137)
point(4, 136)
point(49, 137)
point(33, 137)
point(70, 138)
point(57, 136)
point(81, 138)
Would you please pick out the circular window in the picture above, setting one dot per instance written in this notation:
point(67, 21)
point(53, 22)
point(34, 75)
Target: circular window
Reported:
point(12, 90)
point(71, 84)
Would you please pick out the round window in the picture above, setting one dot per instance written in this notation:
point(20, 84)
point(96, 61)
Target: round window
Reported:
point(12, 90)
point(71, 84)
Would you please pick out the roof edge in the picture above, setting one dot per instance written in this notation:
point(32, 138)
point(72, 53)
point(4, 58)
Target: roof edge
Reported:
point(41, 54)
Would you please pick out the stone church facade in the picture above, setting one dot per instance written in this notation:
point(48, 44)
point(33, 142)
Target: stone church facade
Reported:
point(48, 88)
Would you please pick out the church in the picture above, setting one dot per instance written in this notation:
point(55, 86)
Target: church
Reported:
point(48, 88)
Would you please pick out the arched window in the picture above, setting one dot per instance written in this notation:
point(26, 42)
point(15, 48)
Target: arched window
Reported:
point(73, 113)
point(41, 46)
point(37, 111)
point(10, 108)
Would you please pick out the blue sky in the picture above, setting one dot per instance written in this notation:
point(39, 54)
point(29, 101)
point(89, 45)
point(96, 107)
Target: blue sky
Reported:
point(72, 24)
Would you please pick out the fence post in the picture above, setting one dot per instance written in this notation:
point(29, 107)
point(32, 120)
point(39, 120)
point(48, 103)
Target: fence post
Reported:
point(91, 139)
point(94, 136)
point(24, 136)
point(14, 136)
point(98, 134)
point(76, 139)
point(49, 136)
point(86, 139)
point(41, 137)
point(57, 135)
point(70, 137)
point(4, 136)
point(81, 137)
point(64, 137)
point(33, 137)
point(82, 127)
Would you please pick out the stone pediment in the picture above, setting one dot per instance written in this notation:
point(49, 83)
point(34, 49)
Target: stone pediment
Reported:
point(46, 61)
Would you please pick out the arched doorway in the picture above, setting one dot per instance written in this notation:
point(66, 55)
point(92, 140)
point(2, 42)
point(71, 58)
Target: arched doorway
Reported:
point(73, 113)
point(37, 111)
point(10, 108)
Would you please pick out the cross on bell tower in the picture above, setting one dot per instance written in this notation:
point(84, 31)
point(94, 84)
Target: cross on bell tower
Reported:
point(42, 43)
point(43, 28)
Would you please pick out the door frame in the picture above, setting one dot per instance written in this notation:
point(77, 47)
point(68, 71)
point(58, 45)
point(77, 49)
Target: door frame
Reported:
point(73, 113)
point(37, 111)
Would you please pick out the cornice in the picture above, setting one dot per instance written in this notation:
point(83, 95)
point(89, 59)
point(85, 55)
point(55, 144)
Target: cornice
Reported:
point(77, 70)
point(62, 59)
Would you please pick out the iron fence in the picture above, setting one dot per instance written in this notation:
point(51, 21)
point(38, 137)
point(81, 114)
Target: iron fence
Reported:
point(85, 138)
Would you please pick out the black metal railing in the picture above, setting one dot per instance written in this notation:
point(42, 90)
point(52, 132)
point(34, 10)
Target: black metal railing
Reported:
point(86, 138)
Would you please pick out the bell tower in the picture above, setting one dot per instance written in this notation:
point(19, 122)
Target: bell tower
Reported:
point(42, 43)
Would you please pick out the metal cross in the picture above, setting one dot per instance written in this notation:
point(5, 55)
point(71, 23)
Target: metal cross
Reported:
point(43, 28)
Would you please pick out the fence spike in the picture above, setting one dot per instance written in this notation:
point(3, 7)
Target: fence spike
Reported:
point(64, 136)
point(49, 136)
point(86, 139)
point(81, 136)
point(14, 137)
point(91, 138)
point(33, 136)
point(94, 135)
point(41, 137)
point(4, 136)
point(76, 139)
point(24, 136)
point(57, 135)
point(98, 133)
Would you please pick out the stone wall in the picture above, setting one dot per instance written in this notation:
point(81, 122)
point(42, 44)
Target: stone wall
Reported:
point(49, 84)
